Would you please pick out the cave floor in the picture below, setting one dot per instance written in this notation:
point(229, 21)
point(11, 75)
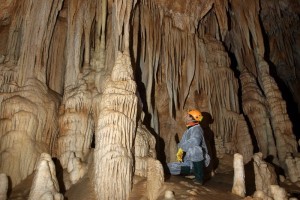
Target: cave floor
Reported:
point(215, 188)
point(218, 187)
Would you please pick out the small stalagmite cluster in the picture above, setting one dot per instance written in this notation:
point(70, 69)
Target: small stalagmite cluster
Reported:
point(101, 87)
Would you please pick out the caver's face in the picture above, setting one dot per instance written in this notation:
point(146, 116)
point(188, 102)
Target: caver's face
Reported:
point(188, 119)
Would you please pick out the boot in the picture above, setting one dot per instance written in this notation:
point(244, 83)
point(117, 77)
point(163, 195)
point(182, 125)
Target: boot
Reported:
point(198, 171)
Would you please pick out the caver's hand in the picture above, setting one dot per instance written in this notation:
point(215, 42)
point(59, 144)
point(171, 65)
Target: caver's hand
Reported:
point(179, 155)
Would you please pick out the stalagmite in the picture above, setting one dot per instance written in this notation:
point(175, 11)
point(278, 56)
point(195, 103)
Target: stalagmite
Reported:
point(155, 178)
point(3, 186)
point(255, 107)
point(261, 195)
point(239, 187)
point(264, 174)
point(58, 90)
point(45, 184)
point(169, 195)
point(76, 168)
point(144, 148)
point(278, 193)
point(243, 140)
point(113, 159)
point(281, 124)
point(293, 166)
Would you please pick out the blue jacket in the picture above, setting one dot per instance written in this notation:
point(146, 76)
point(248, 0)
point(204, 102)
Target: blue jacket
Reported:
point(193, 144)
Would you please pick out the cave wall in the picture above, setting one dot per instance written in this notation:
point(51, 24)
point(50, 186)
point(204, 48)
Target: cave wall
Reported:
point(230, 59)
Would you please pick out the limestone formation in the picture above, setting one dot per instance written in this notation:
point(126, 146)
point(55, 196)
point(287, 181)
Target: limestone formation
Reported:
point(144, 148)
point(75, 76)
point(278, 193)
point(45, 185)
point(261, 195)
point(281, 124)
point(293, 168)
point(255, 107)
point(244, 144)
point(155, 178)
point(76, 168)
point(75, 121)
point(173, 148)
point(169, 195)
point(283, 42)
point(3, 186)
point(76, 125)
point(26, 121)
point(238, 187)
point(115, 133)
point(265, 175)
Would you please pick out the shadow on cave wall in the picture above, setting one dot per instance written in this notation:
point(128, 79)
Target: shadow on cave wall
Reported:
point(60, 175)
point(210, 143)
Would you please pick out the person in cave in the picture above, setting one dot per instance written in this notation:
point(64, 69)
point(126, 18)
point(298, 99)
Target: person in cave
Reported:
point(192, 152)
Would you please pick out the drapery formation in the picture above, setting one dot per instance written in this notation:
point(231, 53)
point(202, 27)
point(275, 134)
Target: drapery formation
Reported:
point(184, 62)
point(29, 124)
point(184, 58)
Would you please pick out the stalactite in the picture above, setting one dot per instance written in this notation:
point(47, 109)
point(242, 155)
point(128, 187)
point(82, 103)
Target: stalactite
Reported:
point(78, 30)
point(168, 65)
point(37, 33)
point(121, 13)
point(190, 68)
point(248, 23)
point(222, 91)
point(280, 23)
point(221, 8)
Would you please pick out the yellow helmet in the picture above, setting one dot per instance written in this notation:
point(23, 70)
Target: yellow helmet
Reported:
point(196, 114)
